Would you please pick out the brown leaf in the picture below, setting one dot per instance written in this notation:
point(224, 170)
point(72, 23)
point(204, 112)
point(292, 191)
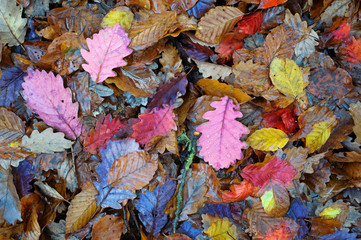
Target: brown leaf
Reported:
point(33, 230)
point(251, 77)
point(280, 200)
point(48, 191)
point(201, 106)
point(139, 80)
point(81, 209)
point(133, 170)
point(194, 193)
point(355, 110)
point(326, 82)
point(312, 161)
point(217, 22)
point(299, 27)
point(12, 127)
point(333, 187)
point(171, 60)
point(297, 158)
point(320, 177)
point(214, 194)
point(148, 31)
point(279, 43)
point(168, 142)
point(110, 226)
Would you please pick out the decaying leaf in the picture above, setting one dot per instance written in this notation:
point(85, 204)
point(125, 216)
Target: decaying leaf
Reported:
point(46, 142)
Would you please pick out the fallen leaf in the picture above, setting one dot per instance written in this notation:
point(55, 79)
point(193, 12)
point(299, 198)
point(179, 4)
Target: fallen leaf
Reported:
point(355, 110)
point(213, 70)
point(220, 143)
point(12, 127)
point(46, 96)
point(267, 139)
point(81, 209)
point(109, 45)
point(222, 229)
point(270, 3)
point(217, 22)
point(238, 192)
point(121, 15)
point(110, 226)
point(10, 85)
point(275, 199)
point(318, 136)
point(12, 25)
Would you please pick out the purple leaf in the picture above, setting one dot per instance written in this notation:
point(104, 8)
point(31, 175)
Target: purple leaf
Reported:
point(339, 235)
point(220, 139)
point(151, 206)
point(187, 229)
point(23, 175)
point(10, 85)
point(201, 7)
point(47, 97)
point(221, 209)
point(106, 51)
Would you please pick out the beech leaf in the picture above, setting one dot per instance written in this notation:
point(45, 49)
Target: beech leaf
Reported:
point(10, 85)
point(11, 127)
point(268, 139)
point(46, 96)
point(46, 142)
point(220, 139)
point(318, 136)
point(81, 209)
point(106, 51)
point(275, 199)
point(110, 226)
point(157, 123)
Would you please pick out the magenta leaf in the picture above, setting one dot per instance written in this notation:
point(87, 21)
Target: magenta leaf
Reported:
point(47, 97)
point(220, 139)
point(106, 51)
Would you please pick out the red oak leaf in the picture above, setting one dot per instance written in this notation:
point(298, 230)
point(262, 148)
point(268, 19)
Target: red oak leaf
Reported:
point(104, 131)
point(220, 139)
point(47, 97)
point(283, 119)
point(157, 123)
point(239, 192)
point(260, 174)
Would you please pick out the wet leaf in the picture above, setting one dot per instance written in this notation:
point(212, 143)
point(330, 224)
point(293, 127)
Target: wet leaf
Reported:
point(110, 226)
point(267, 139)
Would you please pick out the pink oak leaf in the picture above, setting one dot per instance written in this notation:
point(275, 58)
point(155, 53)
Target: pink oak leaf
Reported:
point(47, 97)
point(106, 51)
point(220, 139)
point(157, 123)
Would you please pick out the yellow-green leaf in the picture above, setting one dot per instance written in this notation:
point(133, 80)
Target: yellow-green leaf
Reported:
point(318, 136)
point(222, 229)
point(268, 139)
point(287, 77)
point(121, 15)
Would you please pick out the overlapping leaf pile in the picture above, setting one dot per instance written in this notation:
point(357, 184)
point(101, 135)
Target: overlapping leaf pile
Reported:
point(180, 119)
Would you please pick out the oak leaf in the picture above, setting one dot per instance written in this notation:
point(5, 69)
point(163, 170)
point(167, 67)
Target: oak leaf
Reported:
point(106, 51)
point(220, 139)
point(104, 131)
point(46, 96)
point(46, 142)
point(157, 123)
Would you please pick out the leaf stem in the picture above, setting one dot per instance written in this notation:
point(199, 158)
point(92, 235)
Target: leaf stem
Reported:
point(191, 145)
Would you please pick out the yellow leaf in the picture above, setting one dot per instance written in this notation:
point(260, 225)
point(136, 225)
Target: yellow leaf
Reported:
point(81, 209)
point(214, 88)
point(287, 77)
point(275, 200)
point(217, 22)
point(222, 229)
point(121, 15)
point(268, 139)
point(330, 212)
point(318, 136)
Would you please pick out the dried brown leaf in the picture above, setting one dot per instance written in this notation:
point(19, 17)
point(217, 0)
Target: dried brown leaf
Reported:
point(12, 127)
point(321, 175)
point(81, 209)
point(49, 191)
point(110, 226)
point(217, 22)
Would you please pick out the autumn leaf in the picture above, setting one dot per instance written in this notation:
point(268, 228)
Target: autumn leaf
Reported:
point(238, 192)
point(104, 131)
point(46, 142)
point(46, 96)
point(287, 77)
point(275, 169)
point(222, 229)
point(217, 22)
point(106, 51)
point(355, 110)
point(275, 199)
point(10, 85)
point(12, 25)
point(12, 127)
point(220, 139)
point(81, 209)
point(318, 136)
point(157, 123)
point(110, 226)
point(268, 139)
point(121, 15)
point(270, 3)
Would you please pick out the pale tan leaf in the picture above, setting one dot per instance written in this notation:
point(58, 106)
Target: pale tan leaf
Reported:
point(46, 142)
point(355, 110)
point(217, 22)
point(81, 209)
point(298, 158)
point(49, 191)
point(213, 71)
point(146, 32)
point(171, 60)
point(313, 161)
point(12, 25)
point(11, 127)
point(133, 170)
